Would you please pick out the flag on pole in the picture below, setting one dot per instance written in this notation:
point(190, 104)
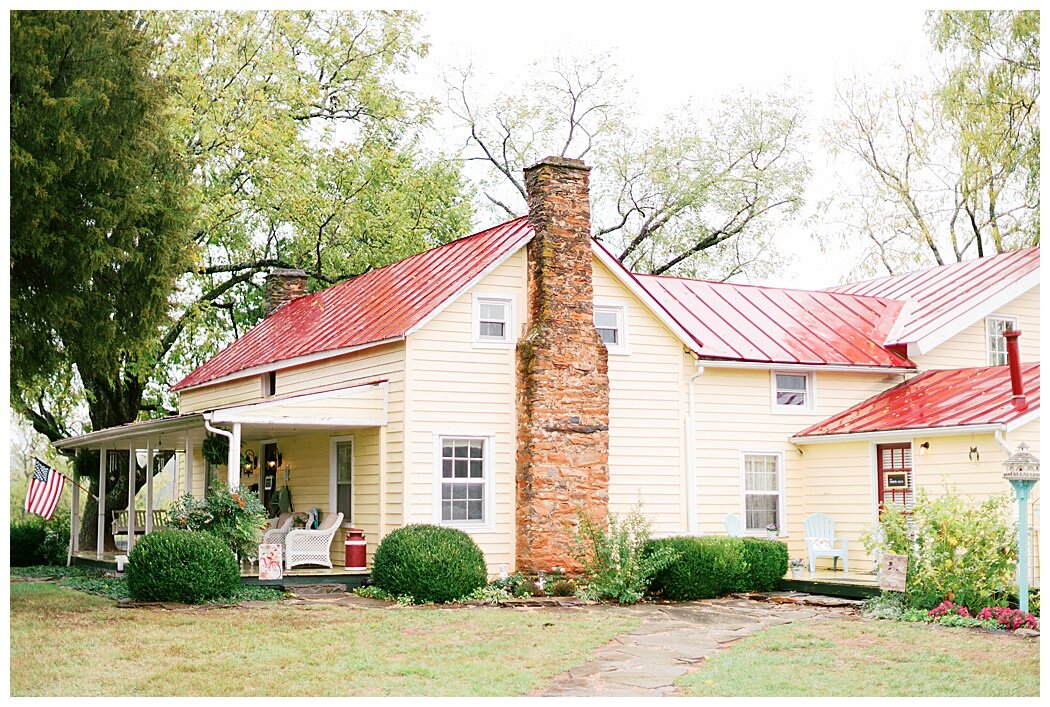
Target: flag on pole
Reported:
point(45, 488)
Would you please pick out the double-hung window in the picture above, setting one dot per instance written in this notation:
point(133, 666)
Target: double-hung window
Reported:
point(792, 391)
point(995, 326)
point(762, 491)
point(464, 477)
point(342, 471)
point(609, 322)
point(493, 321)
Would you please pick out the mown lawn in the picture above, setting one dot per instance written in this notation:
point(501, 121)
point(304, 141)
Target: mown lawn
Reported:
point(870, 658)
point(94, 648)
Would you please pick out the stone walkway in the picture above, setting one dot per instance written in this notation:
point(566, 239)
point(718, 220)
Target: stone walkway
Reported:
point(674, 639)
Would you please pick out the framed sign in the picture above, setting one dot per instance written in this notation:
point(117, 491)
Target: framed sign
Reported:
point(893, 573)
point(268, 484)
point(897, 480)
point(271, 564)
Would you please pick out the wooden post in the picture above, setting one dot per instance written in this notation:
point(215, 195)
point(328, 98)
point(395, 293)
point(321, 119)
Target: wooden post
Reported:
point(149, 485)
point(189, 464)
point(233, 468)
point(131, 495)
point(100, 544)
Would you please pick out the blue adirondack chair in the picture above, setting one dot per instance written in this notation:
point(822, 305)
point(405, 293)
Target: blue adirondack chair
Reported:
point(821, 542)
point(734, 526)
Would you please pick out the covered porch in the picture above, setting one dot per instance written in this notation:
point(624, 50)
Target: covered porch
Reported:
point(323, 451)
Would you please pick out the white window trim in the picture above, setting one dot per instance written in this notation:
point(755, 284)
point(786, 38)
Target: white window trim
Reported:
point(781, 494)
point(988, 339)
point(620, 308)
point(488, 523)
point(332, 471)
point(510, 331)
point(811, 393)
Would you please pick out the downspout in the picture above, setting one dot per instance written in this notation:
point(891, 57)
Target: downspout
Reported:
point(1002, 442)
point(233, 459)
point(692, 502)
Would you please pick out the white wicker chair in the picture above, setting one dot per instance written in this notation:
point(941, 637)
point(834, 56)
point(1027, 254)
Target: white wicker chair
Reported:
point(277, 529)
point(311, 547)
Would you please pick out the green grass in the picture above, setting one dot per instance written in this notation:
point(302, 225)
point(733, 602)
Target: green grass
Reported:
point(291, 650)
point(871, 658)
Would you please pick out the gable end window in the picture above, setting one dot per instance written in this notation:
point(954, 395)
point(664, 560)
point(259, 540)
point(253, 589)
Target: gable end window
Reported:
point(792, 391)
point(493, 321)
point(609, 323)
point(464, 480)
point(269, 384)
point(995, 326)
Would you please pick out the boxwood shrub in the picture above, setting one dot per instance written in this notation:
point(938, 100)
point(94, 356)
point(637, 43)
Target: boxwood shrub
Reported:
point(707, 567)
point(767, 562)
point(35, 541)
point(429, 563)
point(182, 566)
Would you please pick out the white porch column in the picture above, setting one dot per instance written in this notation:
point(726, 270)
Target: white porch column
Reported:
point(149, 485)
point(74, 520)
point(131, 495)
point(382, 483)
point(100, 544)
point(189, 464)
point(233, 468)
point(174, 474)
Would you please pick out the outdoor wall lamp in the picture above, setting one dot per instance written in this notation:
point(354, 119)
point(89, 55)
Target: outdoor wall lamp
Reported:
point(923, 448)
point(275, 461)
point(251, 462)
point(975, 456)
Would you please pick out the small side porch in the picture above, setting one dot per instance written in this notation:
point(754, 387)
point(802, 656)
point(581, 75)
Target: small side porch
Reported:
point(321, 454)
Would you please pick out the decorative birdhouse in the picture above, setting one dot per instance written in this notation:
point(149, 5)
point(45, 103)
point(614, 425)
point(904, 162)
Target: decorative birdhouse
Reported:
point(1022, 465)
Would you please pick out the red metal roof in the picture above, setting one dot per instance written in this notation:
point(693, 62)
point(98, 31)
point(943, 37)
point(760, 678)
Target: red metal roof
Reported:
point(958, 397)
point(777, 325)
point(939, 295)
point(377, 306)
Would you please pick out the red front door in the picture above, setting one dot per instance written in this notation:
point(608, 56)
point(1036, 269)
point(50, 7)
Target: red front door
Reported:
point(895, 478)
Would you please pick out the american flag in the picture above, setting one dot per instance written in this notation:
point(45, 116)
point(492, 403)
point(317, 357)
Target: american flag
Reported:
point(45, 488)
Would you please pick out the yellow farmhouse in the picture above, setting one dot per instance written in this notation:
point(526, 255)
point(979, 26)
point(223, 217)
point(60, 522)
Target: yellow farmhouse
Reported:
point(508, 380)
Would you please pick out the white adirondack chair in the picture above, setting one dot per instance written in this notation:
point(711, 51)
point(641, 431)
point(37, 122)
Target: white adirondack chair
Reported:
point(734, 526)
point(821, 542)
point(312, 547)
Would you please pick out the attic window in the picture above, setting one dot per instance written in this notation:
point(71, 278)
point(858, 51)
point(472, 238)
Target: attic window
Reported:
point(995, 326)
point(609, 322)
point(269, 384)
point(792, 392)
point(493, 321)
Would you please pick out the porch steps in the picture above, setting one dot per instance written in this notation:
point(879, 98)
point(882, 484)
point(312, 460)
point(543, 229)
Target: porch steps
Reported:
point(831, 588)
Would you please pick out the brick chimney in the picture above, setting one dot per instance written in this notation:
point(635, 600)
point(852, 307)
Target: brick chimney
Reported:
point(282, 286)
point(563, 381)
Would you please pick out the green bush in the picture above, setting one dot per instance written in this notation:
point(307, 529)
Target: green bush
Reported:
point(706, 567)
point(182, 566)
point(616, 566)
point(959, 549)
point(237, 518)
point(767, 562)
point(35, 541)
point(429, 563)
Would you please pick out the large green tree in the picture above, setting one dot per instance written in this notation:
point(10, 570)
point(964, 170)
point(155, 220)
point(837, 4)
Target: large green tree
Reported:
point(303, 151)
point(699, 195)
point(945, 163)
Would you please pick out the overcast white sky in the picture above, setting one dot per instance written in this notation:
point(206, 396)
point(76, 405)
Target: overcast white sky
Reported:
point(671, 56)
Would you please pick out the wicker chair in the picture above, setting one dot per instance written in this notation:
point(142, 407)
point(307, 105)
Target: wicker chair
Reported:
point(311, 547)
point(277, 529)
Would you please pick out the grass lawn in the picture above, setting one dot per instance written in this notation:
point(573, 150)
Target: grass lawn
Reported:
point(873, 658)
point(299, 650)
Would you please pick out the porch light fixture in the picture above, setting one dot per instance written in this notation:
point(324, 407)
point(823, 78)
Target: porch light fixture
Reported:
point(923, 448)
point(275, 461)
point(251, 462)
point(1022, 471)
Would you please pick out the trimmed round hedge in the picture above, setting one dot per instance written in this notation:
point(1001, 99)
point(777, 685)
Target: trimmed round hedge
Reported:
point(429, 563)
point(181, 566)
point(27, 542)
point(767, 563)
point(707, 567)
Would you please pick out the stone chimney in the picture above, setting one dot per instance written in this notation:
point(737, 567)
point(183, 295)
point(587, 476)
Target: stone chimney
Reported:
point(563, 381)
point(282, 286)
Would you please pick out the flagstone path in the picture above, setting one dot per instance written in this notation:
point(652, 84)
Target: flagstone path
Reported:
point(674, 639)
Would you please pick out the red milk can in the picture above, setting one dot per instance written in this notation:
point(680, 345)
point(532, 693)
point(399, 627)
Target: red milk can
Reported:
point(355, 549)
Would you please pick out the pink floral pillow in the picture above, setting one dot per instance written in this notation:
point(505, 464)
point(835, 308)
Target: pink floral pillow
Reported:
point(820, 543)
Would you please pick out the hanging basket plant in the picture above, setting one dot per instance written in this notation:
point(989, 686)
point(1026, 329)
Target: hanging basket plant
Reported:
point(216, 449)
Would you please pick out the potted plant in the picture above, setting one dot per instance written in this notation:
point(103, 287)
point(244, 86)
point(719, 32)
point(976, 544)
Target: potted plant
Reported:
point(299, 521)
point(216, 449)
point(772, 531)
point(796, 564)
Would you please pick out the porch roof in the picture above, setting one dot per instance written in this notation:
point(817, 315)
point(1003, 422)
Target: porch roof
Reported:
point(363, 405)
